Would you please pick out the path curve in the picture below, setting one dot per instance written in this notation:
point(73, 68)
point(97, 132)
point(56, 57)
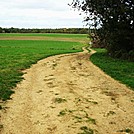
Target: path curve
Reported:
point(67, 94)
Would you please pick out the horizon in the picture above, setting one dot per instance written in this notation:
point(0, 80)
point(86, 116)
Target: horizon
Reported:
point(43, 27)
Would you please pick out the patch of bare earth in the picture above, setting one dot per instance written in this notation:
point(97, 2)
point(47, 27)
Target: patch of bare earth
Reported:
point(67, 94)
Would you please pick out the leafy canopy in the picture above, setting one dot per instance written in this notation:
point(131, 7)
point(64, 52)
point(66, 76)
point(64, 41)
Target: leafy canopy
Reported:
point(116, 18)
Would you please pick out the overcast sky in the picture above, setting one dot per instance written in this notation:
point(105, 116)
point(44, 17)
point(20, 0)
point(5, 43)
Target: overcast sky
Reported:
point(39, 14)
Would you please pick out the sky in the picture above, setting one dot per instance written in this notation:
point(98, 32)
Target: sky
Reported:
point(39, 14)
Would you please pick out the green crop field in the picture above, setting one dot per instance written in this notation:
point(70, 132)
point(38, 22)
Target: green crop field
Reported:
point(19, 53)
point(120, 70)
point(45, 35)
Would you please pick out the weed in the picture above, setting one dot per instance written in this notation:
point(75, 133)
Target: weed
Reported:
point(84, 118)
point(110, 113)
point(94, 102)
point(86, 130)
point(91, 120)
point(77, 117)
point(66, 111)
point(127, 130)
point(62, 113)
point(59, 100)
point(0, 107)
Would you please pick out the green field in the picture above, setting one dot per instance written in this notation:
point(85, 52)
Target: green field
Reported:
point(20, 51)
point(17, 55)
point(45, 35)
point(120, 70)
point(34, 36)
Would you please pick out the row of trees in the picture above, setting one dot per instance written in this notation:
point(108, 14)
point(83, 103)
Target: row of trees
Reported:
point(59, 30)
point(115, 22)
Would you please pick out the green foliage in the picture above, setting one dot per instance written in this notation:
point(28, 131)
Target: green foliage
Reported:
point(91, 120)
point(128, 131)
point(59, 30)
point(62, 113)
point(121, 70)
point(116, 19)
point(60, 100)
point(17, 55)
point(86, 130)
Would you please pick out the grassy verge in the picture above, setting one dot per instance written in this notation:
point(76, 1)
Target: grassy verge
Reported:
point(118, 69)
point(17, 55)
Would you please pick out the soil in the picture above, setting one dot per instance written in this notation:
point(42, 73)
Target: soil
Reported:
point(67, 94)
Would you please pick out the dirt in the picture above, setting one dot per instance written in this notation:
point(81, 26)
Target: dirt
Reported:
point(67, 94)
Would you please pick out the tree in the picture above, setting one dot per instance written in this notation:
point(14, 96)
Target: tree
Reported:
point(0, 30)
point(116, 20)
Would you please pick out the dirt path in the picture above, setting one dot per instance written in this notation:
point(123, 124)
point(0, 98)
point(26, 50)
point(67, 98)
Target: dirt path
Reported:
point(67, 94)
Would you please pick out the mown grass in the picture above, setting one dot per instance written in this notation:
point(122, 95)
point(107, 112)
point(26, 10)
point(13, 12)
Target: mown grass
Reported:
point(120, 70)
point(17, 55)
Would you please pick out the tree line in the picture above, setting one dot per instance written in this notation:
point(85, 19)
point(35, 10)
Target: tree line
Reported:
point(36, 30)
point(113, 21)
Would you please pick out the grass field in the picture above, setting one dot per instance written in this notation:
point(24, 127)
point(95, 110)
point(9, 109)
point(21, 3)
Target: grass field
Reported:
point(45, 35)
point(120, 70)
point(20, 51)
point(17, 55)
point(57, 37)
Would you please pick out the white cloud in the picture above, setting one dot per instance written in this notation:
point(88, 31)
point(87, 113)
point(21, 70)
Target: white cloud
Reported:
point(38, 14)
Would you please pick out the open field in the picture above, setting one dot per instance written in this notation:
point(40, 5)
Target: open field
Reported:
point(19, 51)
point(120, 70)
point(67, 94)
point(57, 37)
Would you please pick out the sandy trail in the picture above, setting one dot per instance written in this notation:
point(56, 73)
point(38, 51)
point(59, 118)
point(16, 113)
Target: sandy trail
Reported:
point(67, 94)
